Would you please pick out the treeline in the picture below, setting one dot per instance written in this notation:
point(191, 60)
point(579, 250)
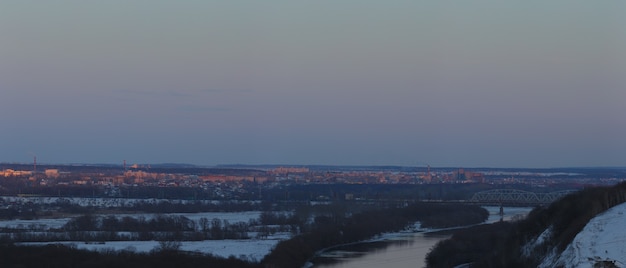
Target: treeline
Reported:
point(59, 256)
point(164, 206)
point(161, 228)
point(319, 227)
point(379, 192)
point(32, 210)
point(500, 245)
point(291, 217)
point(335, 230)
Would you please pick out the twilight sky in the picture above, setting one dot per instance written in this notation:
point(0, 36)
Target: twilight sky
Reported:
point(355, 82)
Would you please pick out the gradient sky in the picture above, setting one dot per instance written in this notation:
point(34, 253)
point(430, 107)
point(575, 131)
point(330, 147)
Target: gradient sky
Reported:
point(445, 83)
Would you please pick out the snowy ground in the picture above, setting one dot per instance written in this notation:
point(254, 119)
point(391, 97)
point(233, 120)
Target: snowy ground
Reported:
point(45, 224)
point(97, 202)
point(602, 240)
point(250, 249)
point(231, 217)
point(37, 224)
point(253, 249)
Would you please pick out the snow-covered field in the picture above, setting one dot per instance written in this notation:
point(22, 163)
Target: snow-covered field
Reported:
point(602, 240)
point(253, 249)
point(36, 224)
point(45, 224)
point(231, 217)
point(97, 202)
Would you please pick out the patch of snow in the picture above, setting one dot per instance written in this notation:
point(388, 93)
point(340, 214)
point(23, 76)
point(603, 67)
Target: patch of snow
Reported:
point(252, 249)
point(415, 227)
point(602, 240)
point(47, 224)
point(37, 224)
point(529, 248)
point(101, 202)
point(231, 217)
point(550, 258)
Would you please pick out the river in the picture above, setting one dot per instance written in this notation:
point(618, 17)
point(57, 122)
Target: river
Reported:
point(398, 250)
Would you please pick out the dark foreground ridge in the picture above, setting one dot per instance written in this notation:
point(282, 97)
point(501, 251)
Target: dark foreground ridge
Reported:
point(500, 244)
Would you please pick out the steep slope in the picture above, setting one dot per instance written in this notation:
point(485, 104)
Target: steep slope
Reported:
point(583, 229)
point(602, 243)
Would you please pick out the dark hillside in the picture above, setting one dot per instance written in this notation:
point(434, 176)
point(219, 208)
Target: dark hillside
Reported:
point(499, 245)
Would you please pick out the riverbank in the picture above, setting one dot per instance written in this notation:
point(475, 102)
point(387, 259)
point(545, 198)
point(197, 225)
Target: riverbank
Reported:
point(400, 249)
point(338, 230)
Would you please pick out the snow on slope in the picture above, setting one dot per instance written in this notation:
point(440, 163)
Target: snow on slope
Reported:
point(529, 249)
point(603, 240)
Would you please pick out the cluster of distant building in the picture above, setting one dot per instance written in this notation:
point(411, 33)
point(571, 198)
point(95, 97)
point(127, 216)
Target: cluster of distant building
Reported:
point(299, 175)
point(48, 173)
point(134, 176)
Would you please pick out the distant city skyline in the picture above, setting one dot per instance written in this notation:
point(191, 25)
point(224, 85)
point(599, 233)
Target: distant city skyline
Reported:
point(406, 83)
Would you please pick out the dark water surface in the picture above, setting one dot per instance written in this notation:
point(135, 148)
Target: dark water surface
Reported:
point(405, 251)
point(402, 250)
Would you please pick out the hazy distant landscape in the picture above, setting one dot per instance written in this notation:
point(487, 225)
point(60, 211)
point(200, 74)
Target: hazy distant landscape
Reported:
point(313, 134)
point(276, 215)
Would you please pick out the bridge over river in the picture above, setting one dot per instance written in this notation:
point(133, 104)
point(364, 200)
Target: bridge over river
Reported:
point(516, 197)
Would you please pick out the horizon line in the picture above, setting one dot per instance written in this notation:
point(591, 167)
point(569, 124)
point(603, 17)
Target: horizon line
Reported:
point(311, 165)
